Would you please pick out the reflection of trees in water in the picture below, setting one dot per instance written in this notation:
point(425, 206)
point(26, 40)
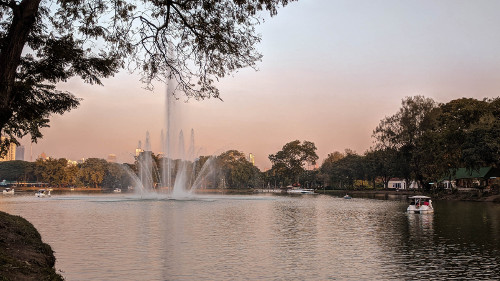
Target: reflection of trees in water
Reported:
point(460, 240)
point(329, 235)
point(296, 224)
point(476, 223)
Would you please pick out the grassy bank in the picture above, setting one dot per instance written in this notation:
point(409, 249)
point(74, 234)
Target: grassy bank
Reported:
point(23, 255)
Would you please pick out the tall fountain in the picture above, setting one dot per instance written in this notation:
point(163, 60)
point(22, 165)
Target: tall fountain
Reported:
point(177, 174)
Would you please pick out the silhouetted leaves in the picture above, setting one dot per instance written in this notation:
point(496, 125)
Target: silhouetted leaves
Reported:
point(43, 43)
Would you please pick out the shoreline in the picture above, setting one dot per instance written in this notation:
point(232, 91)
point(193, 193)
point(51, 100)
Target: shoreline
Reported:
point(23, 254)
point(473, 196)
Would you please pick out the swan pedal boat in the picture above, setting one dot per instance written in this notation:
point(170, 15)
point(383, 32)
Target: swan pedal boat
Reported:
point(420, 205)
point(8, 191)
point(42, 193)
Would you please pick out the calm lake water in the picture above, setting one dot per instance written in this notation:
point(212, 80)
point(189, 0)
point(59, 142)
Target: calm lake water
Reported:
point(263, 237)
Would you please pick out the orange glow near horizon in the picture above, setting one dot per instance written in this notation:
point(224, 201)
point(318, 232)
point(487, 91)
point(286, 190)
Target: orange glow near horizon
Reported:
point(328, 78)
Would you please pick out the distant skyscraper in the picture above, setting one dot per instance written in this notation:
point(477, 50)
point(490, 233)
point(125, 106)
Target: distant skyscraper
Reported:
point(251, 158)
point(138, 150)
point(111, 158)
point(11, 153)
point(43, 156)
point(20, 153)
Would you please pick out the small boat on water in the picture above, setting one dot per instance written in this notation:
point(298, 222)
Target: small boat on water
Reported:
point(42, 193)
point(420, 205)
point(347, 196)
point(298, 190)
point(117, 190)
point(8, 191)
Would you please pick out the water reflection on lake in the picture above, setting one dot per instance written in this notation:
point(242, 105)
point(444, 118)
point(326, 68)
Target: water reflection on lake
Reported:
point(118, 237)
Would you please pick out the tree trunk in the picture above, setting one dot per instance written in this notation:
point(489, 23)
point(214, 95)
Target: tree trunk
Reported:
point(24, 16)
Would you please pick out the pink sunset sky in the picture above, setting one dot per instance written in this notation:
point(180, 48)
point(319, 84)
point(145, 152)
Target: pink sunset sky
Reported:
point(331, 71)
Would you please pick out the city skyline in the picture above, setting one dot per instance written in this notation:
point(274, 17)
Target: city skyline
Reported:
point(329, 78)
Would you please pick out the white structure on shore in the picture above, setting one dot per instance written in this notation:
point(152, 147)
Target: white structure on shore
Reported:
point(396, 183)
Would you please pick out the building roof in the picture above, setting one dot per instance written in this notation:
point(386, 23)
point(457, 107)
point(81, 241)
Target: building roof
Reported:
point(484, 172)
point(396, 179)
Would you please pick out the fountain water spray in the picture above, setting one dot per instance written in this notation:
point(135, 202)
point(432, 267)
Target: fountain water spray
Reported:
point(178, 177)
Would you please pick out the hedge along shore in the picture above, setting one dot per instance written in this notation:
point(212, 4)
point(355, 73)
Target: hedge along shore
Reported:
point(23, 255)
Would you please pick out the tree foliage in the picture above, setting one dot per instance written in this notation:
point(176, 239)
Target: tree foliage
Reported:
point(92, 171)
point(469, 133)
point(236, 170)
point(343, 169)
point(43, 43)
point(406, 132)
point(424, 142)
point(17, 171)
point(289, 163)
point(51, 171)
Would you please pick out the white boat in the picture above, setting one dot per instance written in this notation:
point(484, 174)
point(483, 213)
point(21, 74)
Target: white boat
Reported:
point(347, 196)
point(420, 205)
point(8, 191)
point(42, 193)
point(300, 191)
point(117, 190)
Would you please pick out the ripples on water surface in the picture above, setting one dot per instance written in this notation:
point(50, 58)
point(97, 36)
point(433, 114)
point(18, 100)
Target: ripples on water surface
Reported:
point(115, 237)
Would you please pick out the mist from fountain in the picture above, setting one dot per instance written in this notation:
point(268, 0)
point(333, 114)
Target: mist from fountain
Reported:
point(146, 166)
point(185, 181)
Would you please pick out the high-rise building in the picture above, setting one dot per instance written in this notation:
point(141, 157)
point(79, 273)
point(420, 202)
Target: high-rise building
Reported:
point(43, 156)
point(138, 150)
point(111, 158)
point(20, 153)
point(11, 153)
point(251, 158)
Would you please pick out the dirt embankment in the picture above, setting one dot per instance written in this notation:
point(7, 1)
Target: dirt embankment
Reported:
point(23, 255)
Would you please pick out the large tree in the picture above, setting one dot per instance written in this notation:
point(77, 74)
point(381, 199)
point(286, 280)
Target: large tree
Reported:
point(382, 163)
point(17, 171)
point(343, 169)
point(469, 133)
point(51, 171)
point(289, 163)
point(43, 43)
point(406, 132)
point(236, 170)
point(92, 172)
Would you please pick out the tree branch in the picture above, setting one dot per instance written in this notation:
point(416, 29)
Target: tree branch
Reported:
point(185, 21)
point(11, 4)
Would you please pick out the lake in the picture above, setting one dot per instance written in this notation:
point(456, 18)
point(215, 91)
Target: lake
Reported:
point(262, 237)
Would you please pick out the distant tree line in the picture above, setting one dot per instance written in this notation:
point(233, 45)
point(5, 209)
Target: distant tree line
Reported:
point(93, 172)
point(423, 141)
point(230, 169)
